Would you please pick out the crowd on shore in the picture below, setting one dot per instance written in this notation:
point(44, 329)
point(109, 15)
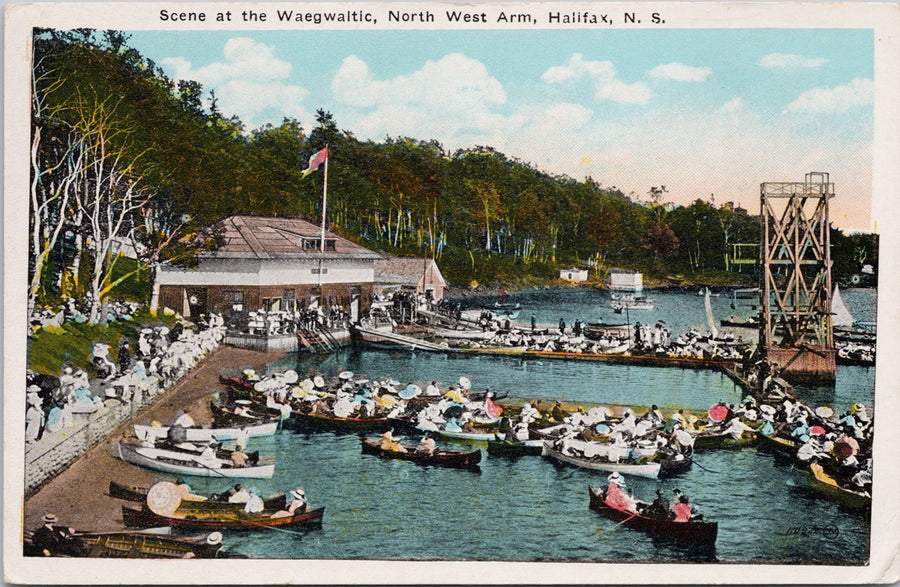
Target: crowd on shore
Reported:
point(161, 355)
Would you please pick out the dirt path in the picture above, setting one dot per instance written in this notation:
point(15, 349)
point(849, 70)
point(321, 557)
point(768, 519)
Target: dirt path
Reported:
point(78, 495)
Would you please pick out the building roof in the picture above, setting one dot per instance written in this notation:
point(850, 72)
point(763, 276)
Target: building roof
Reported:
point(267, 237)
point(406, 270)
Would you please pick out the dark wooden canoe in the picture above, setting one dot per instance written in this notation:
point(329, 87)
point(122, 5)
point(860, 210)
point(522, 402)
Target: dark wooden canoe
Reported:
point(778, 444)
point(669, 465)
point(331, 422)
point(145, 518)
point(713, 440)
point(139, 494)
point(695, 531)
point(510, 448)
point(441, 457)
point(135, 545)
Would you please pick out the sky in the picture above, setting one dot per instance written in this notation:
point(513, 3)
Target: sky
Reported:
point(707, 113)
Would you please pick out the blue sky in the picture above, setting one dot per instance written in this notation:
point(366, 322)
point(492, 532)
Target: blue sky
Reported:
point(701, 111)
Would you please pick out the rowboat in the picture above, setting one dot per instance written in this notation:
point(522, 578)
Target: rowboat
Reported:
point(826, 485)
point(186, 463)
point(513, 448)
point(200, 434)
point(650, 469)
point(236, 519)
point(442, 457)
point(709, 440)
point(671, 465)
point(778, 444)
point(460, 435)
point(139, 494)
point(136, 545)
point(631, 302)
point(695, 531)
point(332, 422)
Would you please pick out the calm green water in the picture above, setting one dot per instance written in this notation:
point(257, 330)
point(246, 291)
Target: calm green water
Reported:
point(532, 508)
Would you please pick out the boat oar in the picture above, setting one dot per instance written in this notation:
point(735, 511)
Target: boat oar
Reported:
point(705, 469)
point(613, 529)
point(204, 465)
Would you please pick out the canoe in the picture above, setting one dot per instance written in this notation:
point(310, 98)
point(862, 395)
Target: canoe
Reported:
point(184, 463)
point(511, 448)
point(450, 435)
point(145, 518)
point(711, 440)
point(442, 457)
point(826, 485)
point(136, 545)
point(778, 444)
point(200, 434)
point(139, 494)
point(650, 469)
point(331, 422)
point(695, 531)
point(670, 466)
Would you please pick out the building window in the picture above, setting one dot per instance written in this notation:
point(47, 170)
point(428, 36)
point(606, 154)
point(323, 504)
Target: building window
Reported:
point(317, 271)
point(315, 243)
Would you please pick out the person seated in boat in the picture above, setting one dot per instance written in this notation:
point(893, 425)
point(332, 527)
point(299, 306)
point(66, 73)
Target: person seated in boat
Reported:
point(653, 415)
point(432, 389)
point(254, 503)
point(518, 433)
point(53, 540)
point(297, 505)
point(208, 456)
point(616, 497)
point(427, 446)
point(184, 420)
point(388, 442)
point(238, 458)
point(659, 508)
point(736, 428)
point(682, 509)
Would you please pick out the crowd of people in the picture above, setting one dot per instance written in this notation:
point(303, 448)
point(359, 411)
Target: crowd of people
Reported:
point(161, 354)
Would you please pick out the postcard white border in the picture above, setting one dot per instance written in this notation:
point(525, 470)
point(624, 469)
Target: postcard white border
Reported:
point(883, 18)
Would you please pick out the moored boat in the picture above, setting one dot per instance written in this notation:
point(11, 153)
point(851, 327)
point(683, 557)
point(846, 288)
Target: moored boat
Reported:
point(458, 434)
point(138, 545)
point(234, 519)
point(332, 422)
point(514, 448)
point(715, 439)
point(695, 531)
point(826, 485)
point(201, 434)
point(186, 463)
point(631, 302)
point(778, 444)
point(648, 469)
point(442, 457)
point(139, 494)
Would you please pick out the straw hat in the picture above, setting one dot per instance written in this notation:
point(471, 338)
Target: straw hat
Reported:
point(214, 538)
point(824, 412)
point(298, 493)
point(345, 375)
point(614, 477)
point(50, 519)
point(290, 376)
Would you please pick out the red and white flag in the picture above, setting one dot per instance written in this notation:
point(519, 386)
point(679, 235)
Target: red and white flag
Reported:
point(316, 160)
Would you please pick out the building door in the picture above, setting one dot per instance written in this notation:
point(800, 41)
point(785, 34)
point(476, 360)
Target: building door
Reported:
point(196, 302)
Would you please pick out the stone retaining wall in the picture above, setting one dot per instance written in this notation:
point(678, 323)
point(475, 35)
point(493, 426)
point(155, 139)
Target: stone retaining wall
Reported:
point(54, 451)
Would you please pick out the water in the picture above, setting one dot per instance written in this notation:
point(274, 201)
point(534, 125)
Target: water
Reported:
point(532, 508)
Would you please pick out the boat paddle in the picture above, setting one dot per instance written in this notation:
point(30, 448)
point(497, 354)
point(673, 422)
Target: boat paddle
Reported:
point(204, 465)
point(705, 469)
point(614, 528)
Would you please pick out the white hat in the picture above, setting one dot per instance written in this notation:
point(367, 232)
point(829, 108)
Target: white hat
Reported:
point(614, 477)
point(318, 381)
point(298, 493)
point(214, 538)
point(33, 388)
point(345, 374)
point(290, 376)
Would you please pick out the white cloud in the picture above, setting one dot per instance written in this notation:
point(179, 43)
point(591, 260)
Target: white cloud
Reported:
point(859, 92)
point(251, 82)
point(733, 105)
point(602, 74)
point(569, 116)
point(680, 72)
point(452, 100)
point(791, 60)
point(455, 82)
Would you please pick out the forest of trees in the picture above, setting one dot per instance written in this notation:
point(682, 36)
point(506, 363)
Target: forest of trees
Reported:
point(125, 159)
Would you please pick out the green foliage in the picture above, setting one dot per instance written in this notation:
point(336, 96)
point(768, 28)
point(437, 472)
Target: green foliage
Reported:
point(483, 215)
point(50, 348)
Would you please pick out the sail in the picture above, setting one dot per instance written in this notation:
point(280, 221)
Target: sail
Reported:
point(842, 316)
point(709, 314)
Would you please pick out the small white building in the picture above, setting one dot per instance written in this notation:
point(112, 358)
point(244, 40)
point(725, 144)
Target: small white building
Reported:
point(574, 274)
point(625, 280)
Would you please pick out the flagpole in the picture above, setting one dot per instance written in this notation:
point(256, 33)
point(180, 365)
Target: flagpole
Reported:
point(324, 199)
